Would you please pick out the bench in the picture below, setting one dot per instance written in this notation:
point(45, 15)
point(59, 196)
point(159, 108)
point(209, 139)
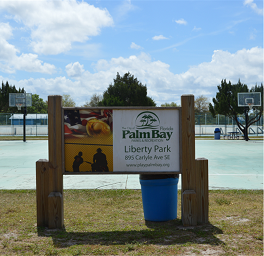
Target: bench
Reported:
point(240, 135)
point(228, 136)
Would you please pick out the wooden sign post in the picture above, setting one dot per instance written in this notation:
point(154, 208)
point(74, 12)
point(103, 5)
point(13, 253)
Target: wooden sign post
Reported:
point(189, 204)
point(194, 172)
point(49, 174)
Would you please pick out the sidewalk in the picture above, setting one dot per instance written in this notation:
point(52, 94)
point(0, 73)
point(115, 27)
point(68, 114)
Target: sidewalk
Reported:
point(232, 165)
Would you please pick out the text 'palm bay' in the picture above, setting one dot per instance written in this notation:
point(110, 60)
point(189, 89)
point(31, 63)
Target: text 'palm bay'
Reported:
point(154, 134)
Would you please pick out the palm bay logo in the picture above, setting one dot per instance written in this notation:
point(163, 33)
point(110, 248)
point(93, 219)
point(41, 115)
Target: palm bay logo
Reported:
point(147, 128)
point(147, 120)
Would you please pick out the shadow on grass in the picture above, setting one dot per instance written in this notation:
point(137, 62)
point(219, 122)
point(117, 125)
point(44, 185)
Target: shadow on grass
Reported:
point(159, 233)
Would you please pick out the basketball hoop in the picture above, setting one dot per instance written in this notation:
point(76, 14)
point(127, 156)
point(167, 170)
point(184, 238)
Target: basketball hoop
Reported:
point(20, 100)
point(250, 106)
point(19, 106)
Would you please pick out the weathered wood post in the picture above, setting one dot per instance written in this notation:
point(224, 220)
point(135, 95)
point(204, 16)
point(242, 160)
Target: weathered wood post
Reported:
point(189, 200)
point(49, 173)
point(42, 192)
point(55, 198)
point(202, 190)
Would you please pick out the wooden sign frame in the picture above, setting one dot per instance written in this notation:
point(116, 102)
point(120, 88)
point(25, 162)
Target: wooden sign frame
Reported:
point(49, 173)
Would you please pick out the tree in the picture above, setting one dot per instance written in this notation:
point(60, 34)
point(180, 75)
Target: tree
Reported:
point(126, 91)
point(172, 104)
point(148, 120)
point(67, 101)
point(201, 104)
point(226, 103)
point(38, 105)
point(4, 97)
point(94, 101)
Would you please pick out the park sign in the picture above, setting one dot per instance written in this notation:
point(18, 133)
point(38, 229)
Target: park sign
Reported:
point(146, 140)
point(121, 140)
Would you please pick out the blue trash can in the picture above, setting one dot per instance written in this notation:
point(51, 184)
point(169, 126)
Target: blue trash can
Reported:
point(217, 133)
point(159, 196)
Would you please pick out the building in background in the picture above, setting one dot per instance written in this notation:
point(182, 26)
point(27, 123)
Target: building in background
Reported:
point(31, 119)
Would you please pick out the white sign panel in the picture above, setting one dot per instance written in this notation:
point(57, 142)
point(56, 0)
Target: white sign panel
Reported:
point(146, 141)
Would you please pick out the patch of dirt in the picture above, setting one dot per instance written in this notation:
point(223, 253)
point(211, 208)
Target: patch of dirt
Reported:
point(211, 251)
point(204, 251)
point(10, 235)
point(236, 220)
point(235, 239)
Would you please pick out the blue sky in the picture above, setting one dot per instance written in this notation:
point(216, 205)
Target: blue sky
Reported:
point(174, 47)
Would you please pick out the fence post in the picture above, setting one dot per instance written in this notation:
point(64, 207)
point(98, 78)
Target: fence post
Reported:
point(189, 203)
point(56, 215)
point(36, 124)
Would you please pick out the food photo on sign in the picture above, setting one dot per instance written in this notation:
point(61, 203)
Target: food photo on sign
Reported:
point(88, 140)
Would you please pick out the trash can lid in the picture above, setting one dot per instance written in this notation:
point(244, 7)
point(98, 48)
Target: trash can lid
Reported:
point(157, 176)
point(217, 130)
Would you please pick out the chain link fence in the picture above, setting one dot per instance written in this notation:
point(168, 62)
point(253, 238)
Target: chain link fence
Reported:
point(205, 124)
point(12, 124)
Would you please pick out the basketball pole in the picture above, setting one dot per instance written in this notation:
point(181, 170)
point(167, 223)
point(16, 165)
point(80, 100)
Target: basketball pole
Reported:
point(246, 124)
point(24, 118)
point(24, 124)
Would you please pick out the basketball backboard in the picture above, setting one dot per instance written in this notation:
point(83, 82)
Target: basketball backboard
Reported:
point(20, 100)
point(246, 99)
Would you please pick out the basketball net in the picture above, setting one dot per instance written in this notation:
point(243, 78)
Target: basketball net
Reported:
point(250, 106)
point(19, 106)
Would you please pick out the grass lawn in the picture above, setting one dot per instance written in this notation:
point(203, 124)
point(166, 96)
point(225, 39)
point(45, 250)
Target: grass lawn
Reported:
point(111, 222)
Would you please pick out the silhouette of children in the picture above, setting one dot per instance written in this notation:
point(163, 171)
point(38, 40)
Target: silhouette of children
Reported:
point(78, 160)
point(99, 162)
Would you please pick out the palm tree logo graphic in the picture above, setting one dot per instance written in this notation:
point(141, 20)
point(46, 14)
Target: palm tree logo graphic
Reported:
point(147, 120)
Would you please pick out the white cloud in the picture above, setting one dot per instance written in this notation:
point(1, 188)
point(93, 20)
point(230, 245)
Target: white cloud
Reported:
point(10, 61)
point(160, 37)
point(162, 84)
point(253, 6)
point(87, 51)
point(5, 31)
point(7, 50)
point(181, 22)
point(31, 63)
point(55, 25)
point(135, 46)
point(253, 35)
point(74, 69)
point(244, 64)
point(196, 29)
point(123, 9)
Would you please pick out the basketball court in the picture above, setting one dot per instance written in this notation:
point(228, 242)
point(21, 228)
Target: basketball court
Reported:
point(233, 164)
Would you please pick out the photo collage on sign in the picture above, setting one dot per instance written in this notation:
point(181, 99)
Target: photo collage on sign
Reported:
point(88, 140)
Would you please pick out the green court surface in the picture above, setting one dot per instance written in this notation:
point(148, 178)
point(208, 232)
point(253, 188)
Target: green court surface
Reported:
point(233, 164)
